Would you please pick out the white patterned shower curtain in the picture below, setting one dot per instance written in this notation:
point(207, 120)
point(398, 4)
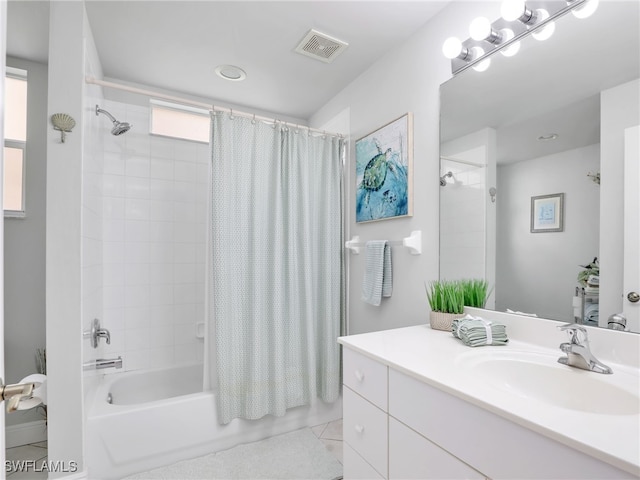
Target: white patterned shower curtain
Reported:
point(276, 292)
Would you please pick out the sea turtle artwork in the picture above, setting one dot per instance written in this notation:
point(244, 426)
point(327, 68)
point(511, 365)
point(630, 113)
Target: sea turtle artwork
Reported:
point(382, 174)
point(375, 172)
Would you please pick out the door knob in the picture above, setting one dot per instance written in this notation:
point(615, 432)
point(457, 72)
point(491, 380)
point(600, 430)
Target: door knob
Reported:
point(633, 297)
point(13, 394)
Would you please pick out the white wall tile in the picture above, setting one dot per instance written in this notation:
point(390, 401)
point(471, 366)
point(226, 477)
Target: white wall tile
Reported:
point(161, 168)
point(137, 317)
point(148, 223)
point(161, 210)
point(137, 166)
point(184, 171)
point(160, 252)
point(137, 209)
point(137, 187)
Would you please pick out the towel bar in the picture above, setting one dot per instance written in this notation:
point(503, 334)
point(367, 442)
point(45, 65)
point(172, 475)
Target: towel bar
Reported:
point(413, 242)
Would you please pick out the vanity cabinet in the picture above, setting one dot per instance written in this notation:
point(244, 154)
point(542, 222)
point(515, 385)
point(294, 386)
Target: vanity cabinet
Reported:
point(379, 446)
point(365, 422)
point(398, 426)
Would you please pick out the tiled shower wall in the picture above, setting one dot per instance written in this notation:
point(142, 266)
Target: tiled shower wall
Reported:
point(462, 221)
point(154, 207)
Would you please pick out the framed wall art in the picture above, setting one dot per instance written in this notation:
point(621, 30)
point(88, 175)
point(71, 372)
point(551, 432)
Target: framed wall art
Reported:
point(547, 213)
point(384, 170)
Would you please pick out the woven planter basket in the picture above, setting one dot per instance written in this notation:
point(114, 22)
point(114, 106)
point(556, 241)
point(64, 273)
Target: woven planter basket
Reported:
point(443, 321)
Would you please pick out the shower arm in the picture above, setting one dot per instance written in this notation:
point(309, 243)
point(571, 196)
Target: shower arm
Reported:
point(99, 111)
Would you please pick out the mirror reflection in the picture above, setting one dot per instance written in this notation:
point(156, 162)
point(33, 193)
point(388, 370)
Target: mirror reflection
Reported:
point(549, 121)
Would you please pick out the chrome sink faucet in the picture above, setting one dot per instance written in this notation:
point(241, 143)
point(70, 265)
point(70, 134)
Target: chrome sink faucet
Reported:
point(577, 349)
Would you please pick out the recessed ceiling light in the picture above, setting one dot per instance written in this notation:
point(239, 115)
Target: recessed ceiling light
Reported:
point(549, 136)
point(231, 72)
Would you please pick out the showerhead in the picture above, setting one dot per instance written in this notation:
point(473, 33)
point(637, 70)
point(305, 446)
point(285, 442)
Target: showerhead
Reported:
point(118, 127)
point(443, 179)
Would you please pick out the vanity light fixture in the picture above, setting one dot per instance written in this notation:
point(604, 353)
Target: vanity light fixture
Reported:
point(512, 10)
point(586, 10)
point(546, 32)
point(514, 47)
point(518, 20)
point(480, 29)
point(452, 48)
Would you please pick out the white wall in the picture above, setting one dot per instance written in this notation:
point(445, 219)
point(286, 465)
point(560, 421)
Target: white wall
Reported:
point(619, 109)
point(63, 265)
point(24, 247)
point(405, 79)
point(551, 272)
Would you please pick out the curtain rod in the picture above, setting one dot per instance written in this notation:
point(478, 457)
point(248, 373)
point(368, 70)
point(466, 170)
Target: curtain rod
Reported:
point(209, 107)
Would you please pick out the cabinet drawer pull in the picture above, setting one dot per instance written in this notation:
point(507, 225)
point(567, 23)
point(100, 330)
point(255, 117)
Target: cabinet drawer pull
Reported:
point(359, 428)
point(359, 375)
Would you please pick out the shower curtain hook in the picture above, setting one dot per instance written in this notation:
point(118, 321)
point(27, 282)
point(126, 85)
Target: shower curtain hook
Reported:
point(231, 114)
point(254, 119)
point(275, 121)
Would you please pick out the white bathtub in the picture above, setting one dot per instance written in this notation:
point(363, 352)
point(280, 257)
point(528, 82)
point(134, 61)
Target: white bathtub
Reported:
point(162, 416)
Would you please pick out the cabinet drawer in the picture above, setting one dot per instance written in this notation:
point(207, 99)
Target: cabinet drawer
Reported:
point(365, 429)
point(355, 467)
point(366, 377)
point(411, 456)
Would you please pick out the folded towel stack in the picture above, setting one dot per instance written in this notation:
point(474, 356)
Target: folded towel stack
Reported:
point(476, 331)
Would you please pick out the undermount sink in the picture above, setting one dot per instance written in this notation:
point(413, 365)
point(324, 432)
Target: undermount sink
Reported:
point(539, 376)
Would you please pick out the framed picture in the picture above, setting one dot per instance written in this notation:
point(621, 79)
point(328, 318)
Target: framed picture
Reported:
point(384, 169)
point(547, 213)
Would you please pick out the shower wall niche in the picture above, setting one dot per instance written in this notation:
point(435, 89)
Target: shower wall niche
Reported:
point(154, 207)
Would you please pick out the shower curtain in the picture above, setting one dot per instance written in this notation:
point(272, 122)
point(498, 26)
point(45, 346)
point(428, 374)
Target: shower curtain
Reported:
point(276, 266)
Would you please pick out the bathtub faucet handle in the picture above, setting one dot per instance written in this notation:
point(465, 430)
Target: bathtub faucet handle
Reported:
point(104, 333)
point(95, 333)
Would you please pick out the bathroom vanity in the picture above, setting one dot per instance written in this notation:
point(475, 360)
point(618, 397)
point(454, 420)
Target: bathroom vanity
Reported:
point(420, 404)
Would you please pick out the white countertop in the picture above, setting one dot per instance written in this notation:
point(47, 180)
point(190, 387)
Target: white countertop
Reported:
point(437, 358)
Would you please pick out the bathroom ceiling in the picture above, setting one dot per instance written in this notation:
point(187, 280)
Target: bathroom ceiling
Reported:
point(177, 45)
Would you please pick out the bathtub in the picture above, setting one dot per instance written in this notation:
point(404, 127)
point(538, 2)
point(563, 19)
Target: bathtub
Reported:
point(158, 417)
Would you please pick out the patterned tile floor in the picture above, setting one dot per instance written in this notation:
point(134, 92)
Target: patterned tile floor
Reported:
point(330, 434)
point(28, 459)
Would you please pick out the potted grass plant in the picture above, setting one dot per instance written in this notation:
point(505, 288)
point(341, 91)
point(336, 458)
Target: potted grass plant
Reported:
point(476, 291)
point(446, 299)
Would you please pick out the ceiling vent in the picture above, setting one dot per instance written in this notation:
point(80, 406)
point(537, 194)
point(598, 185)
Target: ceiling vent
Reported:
point(321, 46)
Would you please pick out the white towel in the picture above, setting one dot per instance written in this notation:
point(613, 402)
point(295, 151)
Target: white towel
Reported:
point(377, 272)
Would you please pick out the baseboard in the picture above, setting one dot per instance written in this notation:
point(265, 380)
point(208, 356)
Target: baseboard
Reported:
point(25, 433)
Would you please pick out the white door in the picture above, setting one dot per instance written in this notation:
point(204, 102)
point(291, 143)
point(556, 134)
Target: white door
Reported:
point(631, 279)
point(3, 55)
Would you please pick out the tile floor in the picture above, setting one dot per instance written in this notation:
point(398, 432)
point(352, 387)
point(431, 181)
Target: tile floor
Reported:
point(35, 452)
point(330, 434)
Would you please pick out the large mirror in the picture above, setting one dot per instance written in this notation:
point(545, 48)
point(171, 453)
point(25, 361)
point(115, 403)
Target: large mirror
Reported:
point(542, 126)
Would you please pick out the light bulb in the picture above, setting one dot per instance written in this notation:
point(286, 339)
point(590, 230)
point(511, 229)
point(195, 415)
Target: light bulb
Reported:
point(480, 28)
point(511, 50)
point(484, 64)
point(545, 32)
point(452, 48)
point(586, 10)
point(512, 9)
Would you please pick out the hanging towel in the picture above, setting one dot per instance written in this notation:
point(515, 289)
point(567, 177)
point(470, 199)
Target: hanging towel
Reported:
point(377, 272)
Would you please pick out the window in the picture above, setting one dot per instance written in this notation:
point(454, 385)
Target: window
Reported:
point(178, 121)
point(15, 141)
